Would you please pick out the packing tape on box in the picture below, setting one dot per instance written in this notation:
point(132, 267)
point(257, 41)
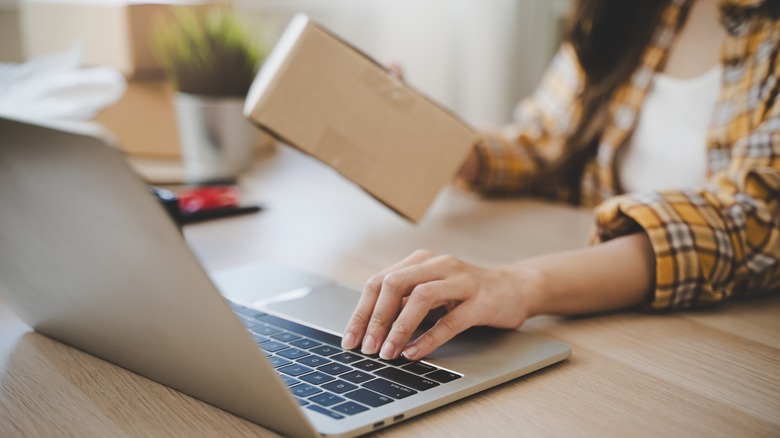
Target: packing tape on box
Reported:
point(390, 88)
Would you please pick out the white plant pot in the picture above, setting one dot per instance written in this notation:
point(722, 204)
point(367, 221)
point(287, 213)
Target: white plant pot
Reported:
point(217, 141)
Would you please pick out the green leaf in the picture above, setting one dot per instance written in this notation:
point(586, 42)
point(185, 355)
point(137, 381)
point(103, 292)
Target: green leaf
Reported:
point(207, 51)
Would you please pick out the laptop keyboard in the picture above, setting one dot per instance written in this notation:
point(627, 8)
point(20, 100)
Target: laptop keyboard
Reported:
point(329, 380)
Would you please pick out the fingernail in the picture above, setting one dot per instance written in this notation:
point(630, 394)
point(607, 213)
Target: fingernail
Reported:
point(369, 345)
point(388, 350)
point(348, 341)
point(411, 353)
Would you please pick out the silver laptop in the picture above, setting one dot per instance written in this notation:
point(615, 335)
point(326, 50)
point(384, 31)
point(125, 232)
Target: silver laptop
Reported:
point(90, 258)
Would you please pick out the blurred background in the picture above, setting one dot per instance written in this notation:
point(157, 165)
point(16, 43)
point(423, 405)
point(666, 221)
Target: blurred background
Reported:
point(95, 60)
point(477, 57)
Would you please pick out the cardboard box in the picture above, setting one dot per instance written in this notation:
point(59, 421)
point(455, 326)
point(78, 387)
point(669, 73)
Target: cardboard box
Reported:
point(324, 97)
point(112, 33)
point(144, 120)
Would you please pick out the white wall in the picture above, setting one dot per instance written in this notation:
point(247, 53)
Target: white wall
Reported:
point(477, 57)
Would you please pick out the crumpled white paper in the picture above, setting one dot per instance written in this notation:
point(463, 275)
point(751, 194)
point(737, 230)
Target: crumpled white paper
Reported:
point(55, 87)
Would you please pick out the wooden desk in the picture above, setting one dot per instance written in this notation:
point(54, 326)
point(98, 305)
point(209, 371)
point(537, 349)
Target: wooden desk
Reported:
point(704, 373)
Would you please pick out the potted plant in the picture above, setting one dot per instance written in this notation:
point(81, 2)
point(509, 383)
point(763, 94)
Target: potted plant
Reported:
point(211, 60)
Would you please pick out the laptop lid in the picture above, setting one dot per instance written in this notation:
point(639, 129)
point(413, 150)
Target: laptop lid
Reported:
point(88, 257)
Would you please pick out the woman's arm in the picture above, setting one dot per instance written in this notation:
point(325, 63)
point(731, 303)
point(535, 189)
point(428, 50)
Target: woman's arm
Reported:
point(613, 275)
point(527, 156)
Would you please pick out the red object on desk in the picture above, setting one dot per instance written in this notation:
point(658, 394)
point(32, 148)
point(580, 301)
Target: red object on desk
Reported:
point(208, 197)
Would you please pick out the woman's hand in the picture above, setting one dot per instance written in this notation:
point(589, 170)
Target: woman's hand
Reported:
point(612, 275)
point(395, 302)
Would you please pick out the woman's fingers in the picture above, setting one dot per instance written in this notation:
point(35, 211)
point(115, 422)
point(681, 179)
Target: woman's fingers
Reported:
point(424, 298)
point(358, 323)
point(395, 287)
point(396, 69)
point(445, 329)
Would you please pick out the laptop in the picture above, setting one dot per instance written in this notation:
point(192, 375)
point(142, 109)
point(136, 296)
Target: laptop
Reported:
point(88, 257)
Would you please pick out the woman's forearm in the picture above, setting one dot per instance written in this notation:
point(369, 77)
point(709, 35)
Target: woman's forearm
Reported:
point(613, 275)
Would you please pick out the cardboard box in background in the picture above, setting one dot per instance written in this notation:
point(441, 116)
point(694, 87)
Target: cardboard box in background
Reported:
point(116, 34)
point(322, 96)
point(111, 33)
point(144, 120)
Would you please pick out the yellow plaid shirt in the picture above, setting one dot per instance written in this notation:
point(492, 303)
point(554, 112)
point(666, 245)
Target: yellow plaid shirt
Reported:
point(711, 242)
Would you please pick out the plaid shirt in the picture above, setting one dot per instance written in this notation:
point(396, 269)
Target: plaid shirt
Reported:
point(711, 242)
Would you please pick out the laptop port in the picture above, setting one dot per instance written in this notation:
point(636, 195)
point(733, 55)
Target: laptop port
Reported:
point(398, 418)
point(378, 425)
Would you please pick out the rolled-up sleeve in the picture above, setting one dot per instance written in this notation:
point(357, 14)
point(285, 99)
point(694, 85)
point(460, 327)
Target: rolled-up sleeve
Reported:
point(514, 159)
point(713, 243)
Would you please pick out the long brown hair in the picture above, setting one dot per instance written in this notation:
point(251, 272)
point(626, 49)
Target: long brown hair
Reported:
point(608, 37)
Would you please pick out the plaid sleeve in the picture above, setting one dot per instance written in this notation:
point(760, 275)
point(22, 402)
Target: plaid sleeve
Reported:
point(714, 243)
point(513, 160)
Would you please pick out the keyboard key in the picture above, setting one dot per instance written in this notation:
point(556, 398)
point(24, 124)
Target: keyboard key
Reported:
point(305, 390)
point(357, 377)
point(305, 344)
point(293, 353)
point(399, 361)
point(368, 365)
point(317, 378)
point(259, 339)
point(334, 368)
point(247, 321)
point(407, 379)
point(301, 401)
point(286, 337)
point(303, 330)
point(368, 397)
point(350, 408)
point(313, 361)
point(326, 399)
point(339, 386)
point(443, 376)
point(295, 369)
point(289, 381)
point(326, 350)
point(273, 346)
point(419, 368)
point(389, 388)
point(277, 361)
point(246, 310)
point(324, 411)
point(265, 330)
point(346, 357)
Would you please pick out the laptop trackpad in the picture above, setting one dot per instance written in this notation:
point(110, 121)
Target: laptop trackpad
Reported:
point(327, 307)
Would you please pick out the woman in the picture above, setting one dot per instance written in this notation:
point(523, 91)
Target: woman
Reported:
point(704, 227)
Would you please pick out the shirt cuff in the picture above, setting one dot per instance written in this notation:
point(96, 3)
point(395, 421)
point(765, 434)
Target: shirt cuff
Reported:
point(502, 166)
point(680, 245)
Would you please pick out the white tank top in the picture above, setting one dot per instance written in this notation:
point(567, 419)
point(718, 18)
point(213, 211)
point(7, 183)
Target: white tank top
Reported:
point(668, 149)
